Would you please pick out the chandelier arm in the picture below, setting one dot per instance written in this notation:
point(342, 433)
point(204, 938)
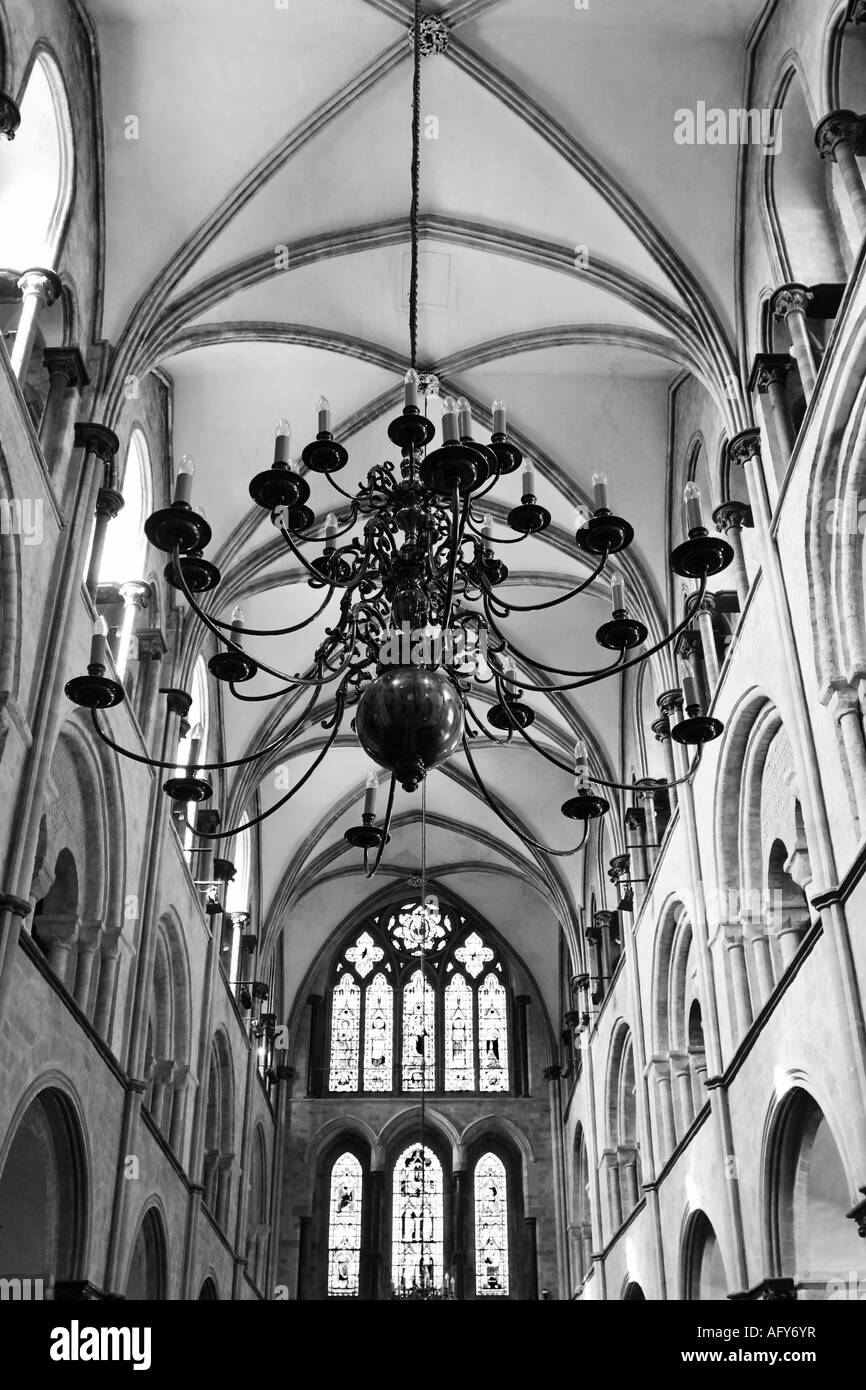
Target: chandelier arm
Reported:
point(591, 677)
point(551, 603)
point(527, 839)
point(656, 786)
point(232, 646)
point(502, 540)
point(264, 815)
point(314, 574)
point(482, 728)
point(343, 493)
point(386, 826)
point(458, 524)
point(278, 631)
point(200, 767)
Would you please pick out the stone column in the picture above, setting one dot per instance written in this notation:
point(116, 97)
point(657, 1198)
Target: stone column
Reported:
point(662, 729)
point(110, 956)
point(610, 1162)
point(648, 805)
point(698, 1065)
point(844, 705)
point(68, 376)
point(627, 1163)
point(99, 442)
point(40, 289)
point(181, 1081)
point(789, 304)
point(739, 978)
point(377, 1216)
point(136, 595)
point(458, 1258)
point(521, 1004)
point(209, 1178)
point(225, 1168)
point(730, 518)
point(670, 702)
point(838, 137)
point(635, 827)
point(660, 1070)
point(109, 502)
point(89, 939)
point(553, 1075)
point(756, 933)
point(593, 937)
point(160, 1076)
point(769, 376)
point(708, 645)
point(681, 1067)
point(152, 647)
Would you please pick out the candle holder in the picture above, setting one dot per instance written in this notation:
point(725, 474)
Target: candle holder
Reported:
point(232, 667)
point(696, 728)
point(411, 430)
point(199, 575)
point(585, 806)
point(459, 463)
point(279, 486)
point(367, 835)
point(701, 555)
point(189, 788)
point(324, 454)
point(529, 517)
point(95, 690)
point(508, 456)
point(604, 533)
point(621, 632)
point(510, 714)
point(177, 526)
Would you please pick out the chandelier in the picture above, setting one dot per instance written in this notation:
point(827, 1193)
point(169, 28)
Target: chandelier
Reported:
point(418, 597)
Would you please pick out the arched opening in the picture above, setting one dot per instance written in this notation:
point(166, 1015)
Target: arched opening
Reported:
point(219, 1132)
point(581, 1211)
point(56, 919)
point(148, 1266)
point(633, 1293)
point(192, 749)
point(124, 556)
point(208, 1292)
point(43, 1195)
point(800, 197)
point(788, 908)
point(813, 1240)
point(36, 193)
point(704, 1274)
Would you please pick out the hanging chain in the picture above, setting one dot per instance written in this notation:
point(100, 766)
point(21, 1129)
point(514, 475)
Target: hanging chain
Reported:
point(416, 186)
point(423, 1009)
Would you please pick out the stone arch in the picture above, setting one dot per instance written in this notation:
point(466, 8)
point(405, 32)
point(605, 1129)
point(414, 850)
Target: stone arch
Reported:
point(45, 1188)
point(702, 1268)
point(209, 1291)
point(580, 1227)
point(632, 1292)
point(797, 197)
point(807, 1190)
point(258, 1227)
point(219, 1155)
point(166, 1065)
point(332, 1130)
point(10, 599)
point(147, 1272)
point(405, 1126)
point(622, 1153)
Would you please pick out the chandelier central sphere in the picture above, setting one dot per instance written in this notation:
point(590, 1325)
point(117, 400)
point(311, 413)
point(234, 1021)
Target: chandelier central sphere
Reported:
point(409, 720)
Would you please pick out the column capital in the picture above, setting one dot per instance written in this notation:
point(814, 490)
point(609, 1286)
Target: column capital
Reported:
point(835, 128)
point(688, 643)
point(10, 116)
point(19, 907)
point(68, 363)
point(788, 298)
point(604, 918)
point(769, 369)
point(178, 701)
point(744, 446)
point(135, 592)
point(635, 819)
point(732, 516)
point(670, 701)
point(152, 645)
point(109, 502)
point(553, 1073)
point(207, 822)
point(733, 933)
point(96, 439)
point(856, 15)
point(42, 283)
point(661, 727)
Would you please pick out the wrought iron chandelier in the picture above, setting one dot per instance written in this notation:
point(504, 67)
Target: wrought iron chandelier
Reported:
point(425, 568)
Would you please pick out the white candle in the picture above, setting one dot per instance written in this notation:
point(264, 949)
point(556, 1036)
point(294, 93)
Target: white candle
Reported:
point(617, 594)
point(498, 417)
point(449, 421)
point(370, 794)
point(487, 527)
point(238, 623)
point(410, 389)
point(599, 491)
point(97, 642)
point(529, 480)
point(464, 418)
point(283, 442)
point(331, 526)
point(324, 410)
point(581, 764)
point(195, 739)
point(183, 484)
point(690, 688)
point(509, 679)
point(692, 499)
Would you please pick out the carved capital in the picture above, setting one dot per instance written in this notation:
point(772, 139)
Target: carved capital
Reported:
point(605, 919)
point(97, 439)
point(789, 298)
point(17, 906)
point(10, 116)
point(835, 128)
point(661, 727)
point(670, 701)
point(43, 284)
point(136, 593)
point(68, 363)
point(152, 645)
point(553, 1073)
point(178, 701)
point(732, 516)
point(744, 446)
point(207, 822)
point(109, 502)
point(769, 369)
point(635, 818)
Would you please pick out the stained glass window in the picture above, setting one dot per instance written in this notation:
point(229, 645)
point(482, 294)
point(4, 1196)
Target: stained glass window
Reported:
point(419, 1034)
point(491, 1226)
point(344, 1230)
point(492, 1035)
point(417, 1230)
point(345, 1033)
point(365, 954)
point(378, 1035)
point(421, 926)
point(459, 1036)
point(474, 954)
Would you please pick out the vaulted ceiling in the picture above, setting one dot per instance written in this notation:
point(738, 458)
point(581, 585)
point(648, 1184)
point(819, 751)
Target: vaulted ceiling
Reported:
point(575, 260)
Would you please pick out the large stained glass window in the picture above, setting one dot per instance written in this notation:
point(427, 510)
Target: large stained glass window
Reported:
point(392, 1031)
point(345, 1034)
point(417, 1228)
point(493, 1035)
point(459, 1036)
point(491, 1226)
point(344, 1227)
point(419, 1034)
point(378, 1035)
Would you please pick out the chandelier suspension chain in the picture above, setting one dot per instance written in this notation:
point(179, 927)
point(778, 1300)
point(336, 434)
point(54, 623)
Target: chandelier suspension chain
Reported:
point(416, 186)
